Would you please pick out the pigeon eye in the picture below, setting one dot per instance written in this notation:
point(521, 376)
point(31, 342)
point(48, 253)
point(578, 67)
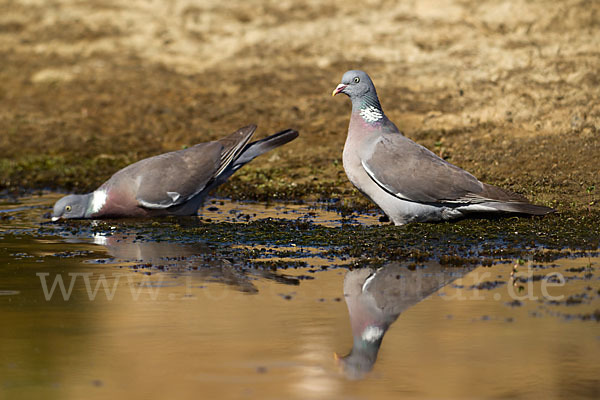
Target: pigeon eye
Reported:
point(68, 208)
point(356, 79)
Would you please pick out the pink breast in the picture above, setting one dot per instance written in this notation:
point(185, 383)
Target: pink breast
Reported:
point(121, 203)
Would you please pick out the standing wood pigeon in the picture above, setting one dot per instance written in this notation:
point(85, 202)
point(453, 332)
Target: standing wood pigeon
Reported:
point(406, 180)
point(174, 183)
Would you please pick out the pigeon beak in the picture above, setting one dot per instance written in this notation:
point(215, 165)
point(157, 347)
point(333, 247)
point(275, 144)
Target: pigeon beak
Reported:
point(339, 89)
point(337, 359)
point(54, 219)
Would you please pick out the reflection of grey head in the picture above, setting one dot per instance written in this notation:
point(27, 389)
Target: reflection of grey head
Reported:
point(375, 299)
point(358, 363)
point(71, 206)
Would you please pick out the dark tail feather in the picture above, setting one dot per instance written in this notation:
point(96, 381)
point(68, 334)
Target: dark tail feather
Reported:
point(507, 201)
point(522, 208)
point(259, 147)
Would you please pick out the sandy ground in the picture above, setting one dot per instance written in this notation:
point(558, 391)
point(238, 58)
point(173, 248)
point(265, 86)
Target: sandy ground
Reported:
point(506, 89)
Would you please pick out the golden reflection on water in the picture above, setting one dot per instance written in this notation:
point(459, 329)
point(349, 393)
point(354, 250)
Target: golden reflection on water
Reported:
point(213, 341)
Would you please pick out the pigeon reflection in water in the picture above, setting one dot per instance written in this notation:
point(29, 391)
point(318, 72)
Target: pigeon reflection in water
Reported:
point(376, 297)
point(187, 258)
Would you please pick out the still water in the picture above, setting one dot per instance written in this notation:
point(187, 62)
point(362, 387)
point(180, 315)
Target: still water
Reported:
point(91, 315)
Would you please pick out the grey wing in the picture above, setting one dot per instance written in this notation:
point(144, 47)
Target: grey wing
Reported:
point(174, 178)
point(411, 172)
point(396, 287)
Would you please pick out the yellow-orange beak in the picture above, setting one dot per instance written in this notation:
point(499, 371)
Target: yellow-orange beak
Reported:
point(337, 358)
point(338, 89)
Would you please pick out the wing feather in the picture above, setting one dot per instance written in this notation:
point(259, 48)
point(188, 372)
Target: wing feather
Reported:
point(174, 178)
point(411, 172)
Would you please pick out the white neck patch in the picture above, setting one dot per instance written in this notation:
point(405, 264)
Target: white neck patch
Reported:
point(371, 114)
point(98, 200)
point(372, 333)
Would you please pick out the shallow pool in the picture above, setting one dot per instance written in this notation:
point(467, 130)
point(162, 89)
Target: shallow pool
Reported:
point(112, 313)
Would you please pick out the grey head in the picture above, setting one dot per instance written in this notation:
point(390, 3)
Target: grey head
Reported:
point(71, 206)
point(359, 87)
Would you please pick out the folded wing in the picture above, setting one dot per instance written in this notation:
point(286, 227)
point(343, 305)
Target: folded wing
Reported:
point(411, 172)
point(174, 178)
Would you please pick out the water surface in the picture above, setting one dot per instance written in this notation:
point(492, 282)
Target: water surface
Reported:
point(141, 318)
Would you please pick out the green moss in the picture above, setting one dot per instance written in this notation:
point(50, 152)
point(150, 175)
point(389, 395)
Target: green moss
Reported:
point(467, 242)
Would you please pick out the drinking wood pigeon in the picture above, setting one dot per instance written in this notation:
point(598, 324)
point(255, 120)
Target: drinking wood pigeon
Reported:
point(376, 297)
point(174, 183)
point(406, 180)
